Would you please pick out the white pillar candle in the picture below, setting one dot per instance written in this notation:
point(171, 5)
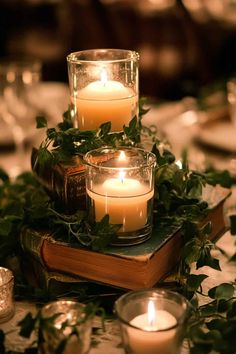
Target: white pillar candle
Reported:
point(105, 101)
point(158, 334)
point(124, 199)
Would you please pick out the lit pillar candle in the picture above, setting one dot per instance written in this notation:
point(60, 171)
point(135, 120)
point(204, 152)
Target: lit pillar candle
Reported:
point(158, 332)
point(105, 101)
point(124, 199)
point(119, 183)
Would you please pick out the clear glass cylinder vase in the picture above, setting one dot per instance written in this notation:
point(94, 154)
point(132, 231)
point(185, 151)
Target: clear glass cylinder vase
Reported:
point(120, 183)
point(152, 321)
point(104, 87)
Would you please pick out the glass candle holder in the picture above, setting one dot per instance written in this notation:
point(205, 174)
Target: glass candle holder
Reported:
point(103, 87)
point(69, 314)
point(152, 321)
point(120, 183)
point(6, 294)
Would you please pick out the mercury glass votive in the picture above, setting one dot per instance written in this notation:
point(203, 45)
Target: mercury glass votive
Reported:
point(69, 316)
point(152, 321)
point(104, 87)
point(6, 294)
point(120, 183)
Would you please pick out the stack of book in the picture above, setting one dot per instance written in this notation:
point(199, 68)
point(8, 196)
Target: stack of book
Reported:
point(130, 267)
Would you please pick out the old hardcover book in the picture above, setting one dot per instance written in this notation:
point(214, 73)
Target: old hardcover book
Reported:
point(130, 267)
point(65, 182)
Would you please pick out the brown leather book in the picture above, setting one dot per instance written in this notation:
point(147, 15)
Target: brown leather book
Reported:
point(130, 267)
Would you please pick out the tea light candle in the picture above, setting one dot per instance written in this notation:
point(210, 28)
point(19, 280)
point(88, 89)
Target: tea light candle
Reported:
point(67, 314)
point(158, 334)
point(122, 198)
point(103, 101)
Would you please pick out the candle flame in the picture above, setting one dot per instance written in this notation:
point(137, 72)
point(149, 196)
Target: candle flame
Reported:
point(151, 313)
point(122, 156)
point(103, 77)
point(122, 176)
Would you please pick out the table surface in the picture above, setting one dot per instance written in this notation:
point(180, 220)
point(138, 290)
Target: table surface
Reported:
point(171, 120)
point(109, 342)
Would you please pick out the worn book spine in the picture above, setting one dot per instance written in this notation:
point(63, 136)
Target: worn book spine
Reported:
point(64, 182)
point(31, 243)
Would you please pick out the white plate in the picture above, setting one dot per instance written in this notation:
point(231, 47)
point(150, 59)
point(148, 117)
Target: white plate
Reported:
point(220, 135)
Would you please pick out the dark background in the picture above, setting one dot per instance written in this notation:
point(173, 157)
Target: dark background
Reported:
point(183, 45)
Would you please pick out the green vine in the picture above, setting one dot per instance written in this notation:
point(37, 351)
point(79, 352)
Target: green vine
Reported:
point(178, 198)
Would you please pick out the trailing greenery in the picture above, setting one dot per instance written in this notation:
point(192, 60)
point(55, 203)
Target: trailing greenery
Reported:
point(178, 198)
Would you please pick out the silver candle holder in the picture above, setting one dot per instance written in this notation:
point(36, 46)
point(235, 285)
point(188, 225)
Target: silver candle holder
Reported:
point(69, 324)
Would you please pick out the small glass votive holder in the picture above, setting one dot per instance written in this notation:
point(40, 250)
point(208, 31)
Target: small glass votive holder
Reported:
point(68, 317)
point(104, 87)
point(231, 96)
point(120, 183)
point(7, 307)
point(152, 321)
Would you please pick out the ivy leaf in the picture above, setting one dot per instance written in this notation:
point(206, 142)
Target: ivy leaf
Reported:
point(233, 224)
point(223, 178)
point(194, 281)
point(223, 305)
point(3, 175)
point(103, 233)
point(196, 334)
point(132, 131)
point(165, 158)
point(61, 347)
point(200, 349)
point(216, 323)
point(233, 258)
point(191, 252)
point(41, 122)
point(209, 309)
point(222, 291)
point(206, 259)
point(45, 158)
point(27, 325)
point(231, 313)
point(67, 121)
point(5, 226)
point(51, 133)
point(105, 128)
point(142, 110)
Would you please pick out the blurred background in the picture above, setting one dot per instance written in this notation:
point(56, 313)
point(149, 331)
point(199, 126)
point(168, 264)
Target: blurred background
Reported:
point(187, 56)
point(183, 45)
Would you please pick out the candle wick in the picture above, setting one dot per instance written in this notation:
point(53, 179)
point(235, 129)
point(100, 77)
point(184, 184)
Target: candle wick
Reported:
point(122, 176)
point(152, 322)
point(104, 78)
